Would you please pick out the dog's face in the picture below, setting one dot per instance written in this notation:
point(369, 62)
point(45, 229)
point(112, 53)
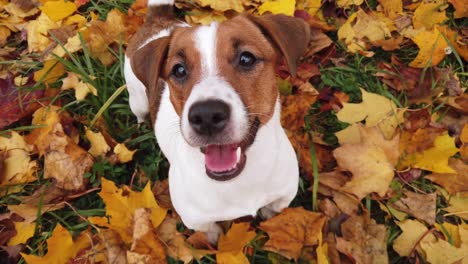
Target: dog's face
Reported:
point(222, 82)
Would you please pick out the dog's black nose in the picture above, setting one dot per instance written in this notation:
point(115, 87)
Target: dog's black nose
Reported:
point(209, 117)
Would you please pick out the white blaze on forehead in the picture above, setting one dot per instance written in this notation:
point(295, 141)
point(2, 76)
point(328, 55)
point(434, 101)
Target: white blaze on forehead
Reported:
point(205, 42)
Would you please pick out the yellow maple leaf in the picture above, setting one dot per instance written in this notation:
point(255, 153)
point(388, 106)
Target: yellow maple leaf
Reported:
point(412, 232)
point(292, 230)
point(99, 146)
point(392, 8)
point(311, 6)
point(453, 182)
point(371, 162)
point(434, 159)
point(17, 167)
point(230, 246)
point(50, 72)
point(377, 110)
point(450, 232)
point(60, 247)
point(224, 5)
point(37, 32)
point(79, 20)
point(58, 10)
point(72, 45)
point(427, 15)
point(24, 231)
point(348, 3)
point(123, 153)
point(278, 7)
point(121, 205)
point(431, 45)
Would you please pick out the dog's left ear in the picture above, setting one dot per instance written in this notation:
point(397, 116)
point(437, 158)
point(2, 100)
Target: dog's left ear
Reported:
point(290, 35)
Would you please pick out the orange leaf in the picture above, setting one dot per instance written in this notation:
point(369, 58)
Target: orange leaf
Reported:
point(230, 246)
point(291, 230)
point(58, 10)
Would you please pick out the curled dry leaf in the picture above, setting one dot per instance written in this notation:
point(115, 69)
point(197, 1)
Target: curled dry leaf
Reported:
point(124, 155)
point(363, 240)
point(99, 146)
point(292, 230)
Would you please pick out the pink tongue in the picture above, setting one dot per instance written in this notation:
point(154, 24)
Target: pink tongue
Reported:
point(220, 157)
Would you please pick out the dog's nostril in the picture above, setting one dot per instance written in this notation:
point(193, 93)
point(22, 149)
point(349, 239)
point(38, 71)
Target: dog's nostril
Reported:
point(209, 117)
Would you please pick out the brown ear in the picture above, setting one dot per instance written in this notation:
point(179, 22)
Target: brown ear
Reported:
point(147, 62)
point(290, 35)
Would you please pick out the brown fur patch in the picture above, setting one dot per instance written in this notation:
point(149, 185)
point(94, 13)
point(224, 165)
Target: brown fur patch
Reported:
point(257, 87)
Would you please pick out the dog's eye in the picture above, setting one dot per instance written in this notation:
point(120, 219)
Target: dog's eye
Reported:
point(179, 71)
point(247, 59)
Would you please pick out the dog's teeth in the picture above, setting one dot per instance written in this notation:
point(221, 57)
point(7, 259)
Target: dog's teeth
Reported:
point(238, 154)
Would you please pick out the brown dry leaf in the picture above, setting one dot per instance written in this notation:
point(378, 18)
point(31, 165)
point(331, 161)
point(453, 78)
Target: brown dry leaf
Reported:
point(441, 252)
point(121, 204)
point(421, 206)
point(361, 29)
point(431, 45)
point(418, 141)
point(60, 247)
point(175, 243)
point(64, 160)
point(427, 15)
point(464, 140)
point(292, 230)
point(30, 212)
point(146, 247)
point(363, 240)
point(161, 192)
point(411, 236)
point(453, 182)
point(17, 166)
point(111, 248)
point(371, 162)
point(231, 244)
point(461, 8)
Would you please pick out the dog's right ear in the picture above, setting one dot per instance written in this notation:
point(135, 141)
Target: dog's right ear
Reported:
point(147, 62)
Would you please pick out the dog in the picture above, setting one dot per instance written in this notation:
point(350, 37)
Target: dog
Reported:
point(212, 97)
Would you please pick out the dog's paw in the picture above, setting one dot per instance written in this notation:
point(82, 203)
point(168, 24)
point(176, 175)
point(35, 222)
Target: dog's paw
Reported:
point(213, 234)
point(267, 213)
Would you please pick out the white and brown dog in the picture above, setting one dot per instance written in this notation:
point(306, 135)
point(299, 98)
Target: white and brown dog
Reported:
point(212, 97)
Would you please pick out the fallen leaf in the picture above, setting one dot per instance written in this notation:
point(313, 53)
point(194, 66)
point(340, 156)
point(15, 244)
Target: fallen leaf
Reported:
point(371, 162)
point(458, 205)
point(205, 17)
point(8, 230)
point(61, 247)
point(376, 110)
point(99, 146)
point(363, 240)
point(431, 45)
point(450, 233)
point(58, 10)
point(121, 205)
point(30, 212)
point(123, 154)
point(292, 230)
point(392, 8)
point(435, 159)
point(24, 231)
point(311, 6)
point(50, 72)
point(453, 182)
point(421, 206)
point(348, 3)
point(175, 243)
point(427, 15)
point(17, 166)
point(231, 245)
point(146, 245)
point(461, 9)
point(222, 6)
point(278, 7)
point(412, 234)
point(37, 31)
point(464, 140)
point(441, 251)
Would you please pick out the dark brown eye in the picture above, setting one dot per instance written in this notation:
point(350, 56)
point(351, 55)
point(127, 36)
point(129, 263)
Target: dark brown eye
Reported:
point(247, 59)
point(179, 71)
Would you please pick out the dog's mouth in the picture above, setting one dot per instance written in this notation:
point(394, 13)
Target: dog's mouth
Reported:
point(224, 162)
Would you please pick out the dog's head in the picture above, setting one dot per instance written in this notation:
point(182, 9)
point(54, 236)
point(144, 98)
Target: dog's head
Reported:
point(222, 81)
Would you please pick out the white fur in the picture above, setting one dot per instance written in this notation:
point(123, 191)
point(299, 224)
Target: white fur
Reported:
point(270, 176)
point(160, 2)
point(138, 99)
point(205, 42)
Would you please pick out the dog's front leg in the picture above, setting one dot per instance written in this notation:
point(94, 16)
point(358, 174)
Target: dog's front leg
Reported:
point(275, 207)
point(212, 231)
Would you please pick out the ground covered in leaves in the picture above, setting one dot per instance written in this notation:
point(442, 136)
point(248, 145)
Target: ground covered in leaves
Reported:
point(377, 114)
